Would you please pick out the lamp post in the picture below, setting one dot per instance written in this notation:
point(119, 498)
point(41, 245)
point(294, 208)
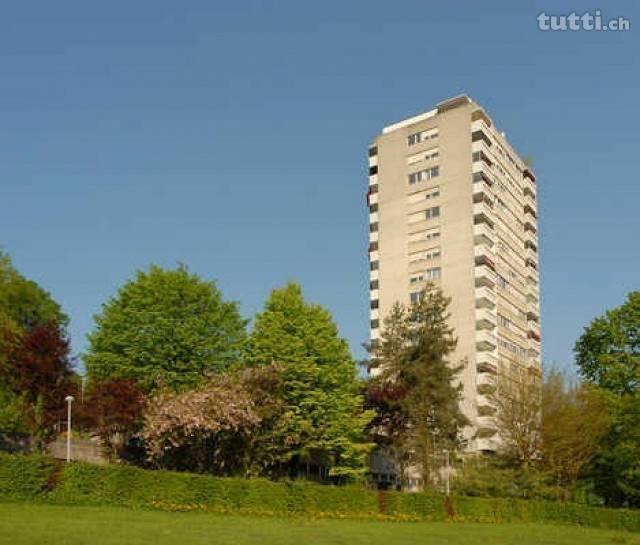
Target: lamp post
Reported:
point(69, 400)
point(448, 473)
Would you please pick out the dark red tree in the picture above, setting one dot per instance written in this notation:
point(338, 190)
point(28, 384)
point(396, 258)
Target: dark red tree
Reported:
point(39, 369)
point(112, 408)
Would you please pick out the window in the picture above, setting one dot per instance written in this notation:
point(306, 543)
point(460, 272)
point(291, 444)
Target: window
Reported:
point(434, 253)
point(429, 274)
point(373, 246)
point(373, 170)
point(373, 208)
point(373, 227)
point(432, 212)
point(416, 296)
point(373, 285)
point(433, 193)
point(375, 324)
point(424, 175)
point(373, 189)
point(373, 265)
point(504, 321)
point(422, 136)
point(431, 234)
point(429, 155)
point(374, 304)
point(373, 151)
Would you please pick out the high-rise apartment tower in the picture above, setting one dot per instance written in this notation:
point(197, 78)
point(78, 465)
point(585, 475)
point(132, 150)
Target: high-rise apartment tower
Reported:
point(451, 202)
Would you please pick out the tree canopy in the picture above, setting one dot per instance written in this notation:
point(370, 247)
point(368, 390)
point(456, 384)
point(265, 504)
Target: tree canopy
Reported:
point(323, 418)
point(608, 352)
point(165, 327)
point(415, 387)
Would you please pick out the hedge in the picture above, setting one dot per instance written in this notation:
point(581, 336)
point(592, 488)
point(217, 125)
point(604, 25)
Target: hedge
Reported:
point(36, 478)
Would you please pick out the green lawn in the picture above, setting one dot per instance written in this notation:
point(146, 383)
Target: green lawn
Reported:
point(29, 524)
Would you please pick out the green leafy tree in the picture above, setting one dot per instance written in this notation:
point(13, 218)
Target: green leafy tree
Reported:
point(615, 470)
point(575, 419)
point(323, 420)
point(415, 387)
point(23, 306)
point(165, 327)
point(608, 355)
point(608, 352)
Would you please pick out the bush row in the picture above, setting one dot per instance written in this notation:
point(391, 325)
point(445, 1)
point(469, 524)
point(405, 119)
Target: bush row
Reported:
point(38, 478)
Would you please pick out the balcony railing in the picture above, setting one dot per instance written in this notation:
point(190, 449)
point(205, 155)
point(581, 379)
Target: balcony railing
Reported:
point(486, 341)
point(480, 135)
point(485, 298)
point(528, 175)
point(531, 334)
point(483, 234)
point(485, 319)
point(485, 276)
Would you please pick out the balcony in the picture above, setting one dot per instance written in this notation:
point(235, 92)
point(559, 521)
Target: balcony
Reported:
point(483, 234)
point(484, 256)
point(485, 341)
point(528, 175)
point(487, 364)
point(530, 251)
point(485, 298)
point(482, 192)
point(480, 156)
point(531, 237)
point(485, 319)
point(486, 426)
point(532, 316)
point(532, 334)
point(481, 175)
point(486, 383)
point(529, 212)
point(484, 401)
point(482, 213)
point(486, 444)
point(485, 276)
point(479, 135)
point(531, 263)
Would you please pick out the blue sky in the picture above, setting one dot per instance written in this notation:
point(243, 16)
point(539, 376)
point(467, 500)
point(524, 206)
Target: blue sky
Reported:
point(232, 136)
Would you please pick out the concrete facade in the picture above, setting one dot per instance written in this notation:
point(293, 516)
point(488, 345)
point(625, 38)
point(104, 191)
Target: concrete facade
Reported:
point(450, 201)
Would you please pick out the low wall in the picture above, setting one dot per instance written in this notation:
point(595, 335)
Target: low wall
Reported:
point(90, 451)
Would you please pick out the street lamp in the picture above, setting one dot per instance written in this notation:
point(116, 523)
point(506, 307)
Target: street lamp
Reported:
point(69, 400)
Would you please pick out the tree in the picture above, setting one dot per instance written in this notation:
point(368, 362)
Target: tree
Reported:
point(323, 420)
point(112, 408)
point(39, 372)
point(615, 469)
point(608, 355)
point(165, 327)
point(518, 416)
point(23, 306)
point(575, 419)
point(23, 303)
point(216, 426)
point(608, 352)
point(415, 388)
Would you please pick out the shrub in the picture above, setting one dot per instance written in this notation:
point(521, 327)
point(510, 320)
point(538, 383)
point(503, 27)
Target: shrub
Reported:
point(36, 477)
point(24, 477)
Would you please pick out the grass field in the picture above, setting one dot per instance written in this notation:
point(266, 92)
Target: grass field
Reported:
point(29, 524)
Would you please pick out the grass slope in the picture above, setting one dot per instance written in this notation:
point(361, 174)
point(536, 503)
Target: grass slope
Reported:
point(31, 524)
